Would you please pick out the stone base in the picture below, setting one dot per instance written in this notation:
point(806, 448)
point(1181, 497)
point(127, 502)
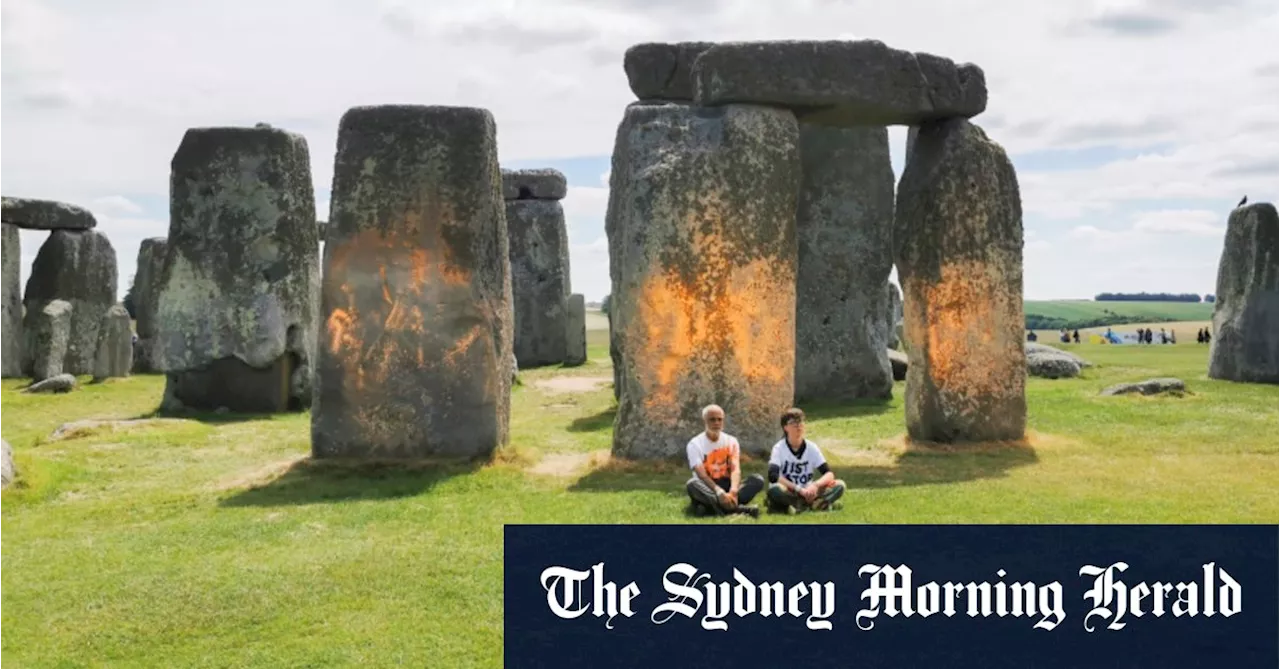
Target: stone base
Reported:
point(231, 383)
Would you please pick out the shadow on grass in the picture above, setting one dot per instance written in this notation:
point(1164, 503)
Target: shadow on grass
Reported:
point(309, 481)
point(918, 465)
point(210, 417)
point(850, 409)
point(596, 423)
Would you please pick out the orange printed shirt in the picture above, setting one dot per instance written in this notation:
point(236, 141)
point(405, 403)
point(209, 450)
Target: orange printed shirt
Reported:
point(716, 456)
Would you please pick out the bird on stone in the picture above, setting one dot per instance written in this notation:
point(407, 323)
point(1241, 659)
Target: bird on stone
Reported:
point(1243, 200)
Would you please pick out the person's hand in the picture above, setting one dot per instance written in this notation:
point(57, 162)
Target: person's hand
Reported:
point(809, 492)
point(728, 500)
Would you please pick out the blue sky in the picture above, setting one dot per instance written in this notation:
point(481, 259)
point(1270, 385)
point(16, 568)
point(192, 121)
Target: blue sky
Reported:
point(1135, 125)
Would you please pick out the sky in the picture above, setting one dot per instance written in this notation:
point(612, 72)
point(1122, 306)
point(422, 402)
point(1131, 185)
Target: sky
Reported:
point(1135, 125)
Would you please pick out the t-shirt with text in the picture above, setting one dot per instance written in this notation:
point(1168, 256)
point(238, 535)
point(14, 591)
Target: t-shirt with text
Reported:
point(716, 456)
point(798, 467)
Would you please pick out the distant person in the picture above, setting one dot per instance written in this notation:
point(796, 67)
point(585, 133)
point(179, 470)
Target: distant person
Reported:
point(1173, 336)
point(1200, 336)
point(799, 477)
point(1076, 336)
point(1164, 338)
point(1208, 337)
point(717, 485)
point(1108, 336)
point(1064, 337)
point(1031, 335)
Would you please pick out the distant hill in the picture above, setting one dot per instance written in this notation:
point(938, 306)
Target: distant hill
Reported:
point(1070, 314)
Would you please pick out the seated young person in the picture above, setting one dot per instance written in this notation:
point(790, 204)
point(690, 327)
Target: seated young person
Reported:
point(799, 477)
point(717, 485)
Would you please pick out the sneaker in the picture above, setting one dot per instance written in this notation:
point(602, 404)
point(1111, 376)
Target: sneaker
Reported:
point(753, 511)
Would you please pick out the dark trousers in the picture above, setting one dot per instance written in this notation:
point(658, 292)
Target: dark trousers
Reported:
point(703, 494)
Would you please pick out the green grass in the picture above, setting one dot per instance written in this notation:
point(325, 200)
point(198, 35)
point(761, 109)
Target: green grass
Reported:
point(214, 541)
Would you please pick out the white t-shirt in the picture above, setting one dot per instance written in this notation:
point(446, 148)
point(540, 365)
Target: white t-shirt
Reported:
point(799, 468)
point(716, 456)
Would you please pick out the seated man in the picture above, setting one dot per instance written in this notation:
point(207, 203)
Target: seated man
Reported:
point(798, 474)
point(717, 484)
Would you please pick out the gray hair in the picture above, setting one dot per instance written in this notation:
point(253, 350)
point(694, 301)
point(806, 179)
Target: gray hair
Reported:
point(707, 409)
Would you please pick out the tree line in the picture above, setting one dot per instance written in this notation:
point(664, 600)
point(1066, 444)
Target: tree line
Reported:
point(1150, 297)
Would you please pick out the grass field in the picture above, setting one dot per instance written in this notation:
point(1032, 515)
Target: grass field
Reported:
point(212, 540)
point(1072, 310)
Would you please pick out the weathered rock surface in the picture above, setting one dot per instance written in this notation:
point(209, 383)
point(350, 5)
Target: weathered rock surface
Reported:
point(48, 330)
point(1034, 347)
point(61, 383)
point(534, 184)
point(1149, 387)
point(702, 254)
point(844, 232)
point(1052, 366)
point(45, 214)
point(958, 238)
point(11, 302)
point(1245, 312)
point(241, 278)
point(7, 471)
point(895, 314)
point(900, 363)
point(843, 83)
point(146, 297)
point(416, 300)
point(539, 252)
point(575, 331)
point(662, 71)
point(79, 268)
point(115, 345)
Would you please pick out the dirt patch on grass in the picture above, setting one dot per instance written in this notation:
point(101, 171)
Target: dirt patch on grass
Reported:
point(572, 384)
point(260, 476)
point(563, 464)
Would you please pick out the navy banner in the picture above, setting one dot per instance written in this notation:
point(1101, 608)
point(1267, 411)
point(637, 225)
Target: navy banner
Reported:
point(891, 596)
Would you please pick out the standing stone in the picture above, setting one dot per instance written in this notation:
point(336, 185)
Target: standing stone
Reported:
point(534, 184)
point(80, 268)
point(1245, 319)
point(895, 313)
point(539, 249)
point(417, 334)
point(235, 317)
point(48, 331)
point(115, 345)
point(575, 332)
point(844, 228)
point(146, 297)
point(958, 238)
point(702, 246)
point(12, 301)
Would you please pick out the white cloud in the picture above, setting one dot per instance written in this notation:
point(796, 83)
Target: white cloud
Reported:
point(1199, 223)
point(98, 95)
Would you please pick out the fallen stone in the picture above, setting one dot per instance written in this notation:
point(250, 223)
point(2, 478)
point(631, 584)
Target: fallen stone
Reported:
point(844, 232)
point(1148, 387)
point(12, 302)
point(115, 345)
point(702, 253)
point(232, 383)
point(900, 363)
point(241, 279)
point(958, 233)
point(842, 83)
point(535, 184)
point(575, 331)
point(416, 303)
point(62, 383)
point(79, 268)
point(1034, 347)
point(146, 297)
point(8, 472)
point(539, 253)
point(45, 215)
point(1051, 366)
point(662, 71)
point(81, 428)
point(47, 332)
point(1246, 311)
